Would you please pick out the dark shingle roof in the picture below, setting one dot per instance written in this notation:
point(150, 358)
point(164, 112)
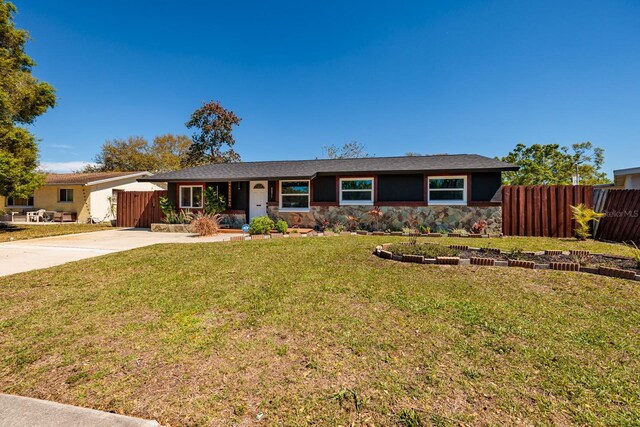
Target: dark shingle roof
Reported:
point(309, 168)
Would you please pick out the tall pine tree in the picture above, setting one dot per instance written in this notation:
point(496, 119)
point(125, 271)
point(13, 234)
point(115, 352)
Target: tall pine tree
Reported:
point(22, 99)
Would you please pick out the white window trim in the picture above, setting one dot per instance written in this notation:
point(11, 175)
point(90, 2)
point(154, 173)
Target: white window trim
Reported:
point(180, 187)
point(66, 192)
point(297, 194)
point(358, 202)
point(447, 202)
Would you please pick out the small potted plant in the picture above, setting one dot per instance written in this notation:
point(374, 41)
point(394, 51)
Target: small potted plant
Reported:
point(113, 210)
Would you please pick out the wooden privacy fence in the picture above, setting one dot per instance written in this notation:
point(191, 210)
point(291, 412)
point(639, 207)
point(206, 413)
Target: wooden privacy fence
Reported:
point(622, 220)
point(542, 210)
point(139, 208)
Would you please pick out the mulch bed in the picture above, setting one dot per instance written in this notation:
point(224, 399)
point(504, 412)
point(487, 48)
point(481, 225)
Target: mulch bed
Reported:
point(591, 260)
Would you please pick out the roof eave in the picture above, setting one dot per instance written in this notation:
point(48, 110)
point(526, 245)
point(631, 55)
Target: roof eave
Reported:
point(118, 178)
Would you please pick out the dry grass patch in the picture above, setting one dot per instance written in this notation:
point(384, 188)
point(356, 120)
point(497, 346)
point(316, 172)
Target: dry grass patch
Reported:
point(319, 331)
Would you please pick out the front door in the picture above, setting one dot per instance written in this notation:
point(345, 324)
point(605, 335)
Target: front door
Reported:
point(257, 198)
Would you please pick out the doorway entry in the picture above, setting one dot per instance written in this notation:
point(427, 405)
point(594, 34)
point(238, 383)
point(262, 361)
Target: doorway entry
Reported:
point(257, 198)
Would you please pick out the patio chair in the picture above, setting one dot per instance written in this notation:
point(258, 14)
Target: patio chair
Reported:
point(36, 216)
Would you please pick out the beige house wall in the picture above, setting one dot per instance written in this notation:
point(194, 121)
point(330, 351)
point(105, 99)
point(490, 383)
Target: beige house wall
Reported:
point(88, 201)
point(100, 194)
point(47, 198)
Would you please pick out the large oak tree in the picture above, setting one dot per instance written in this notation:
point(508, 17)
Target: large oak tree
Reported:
point(166, 153)
point(551, 164)
point(213, 139)
point(22, 99)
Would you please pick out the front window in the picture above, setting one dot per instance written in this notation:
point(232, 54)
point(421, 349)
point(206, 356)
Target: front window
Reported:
point(65, 195)
point(294, 195)
point(447, 190)
point(20, 201)
point(356, 191)
point(191, 196)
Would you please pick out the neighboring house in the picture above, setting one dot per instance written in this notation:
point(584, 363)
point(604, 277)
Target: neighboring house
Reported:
point(83, 194)
point(628, 179)
point(441, 191)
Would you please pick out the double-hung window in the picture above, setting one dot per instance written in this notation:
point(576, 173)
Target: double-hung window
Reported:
point(65, 195)
point(294, 195)
point(191, 196)
point(356, 191)
point(447, 190)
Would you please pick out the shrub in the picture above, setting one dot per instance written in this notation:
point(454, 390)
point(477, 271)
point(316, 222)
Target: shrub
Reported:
point(206, 224)
point(352, 223)
point(583, 216)
point(166, 206)
point(338, 228)
point(261, 225)
point(377, 214)
point(460, 231)
point(424, 229)
point(479, 226)
point(428, 250)
point(173, 217)
point(281, 226)
point(213, 202)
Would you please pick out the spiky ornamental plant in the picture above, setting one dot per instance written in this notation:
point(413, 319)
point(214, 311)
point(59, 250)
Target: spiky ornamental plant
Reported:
point(583, 216)
point(376, 213)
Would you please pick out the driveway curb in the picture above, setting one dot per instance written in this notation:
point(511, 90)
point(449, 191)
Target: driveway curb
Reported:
point(18, 411)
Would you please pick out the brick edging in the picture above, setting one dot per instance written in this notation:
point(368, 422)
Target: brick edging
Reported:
point(382, 252)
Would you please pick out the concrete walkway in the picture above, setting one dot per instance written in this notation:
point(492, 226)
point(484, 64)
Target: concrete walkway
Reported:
point(18, 411)
point(26, 255)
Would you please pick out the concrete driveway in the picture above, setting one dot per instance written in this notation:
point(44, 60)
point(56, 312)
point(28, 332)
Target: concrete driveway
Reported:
point(33, 254)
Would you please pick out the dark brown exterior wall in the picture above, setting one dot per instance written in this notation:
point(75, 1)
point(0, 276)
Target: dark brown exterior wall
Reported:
point(404, 189)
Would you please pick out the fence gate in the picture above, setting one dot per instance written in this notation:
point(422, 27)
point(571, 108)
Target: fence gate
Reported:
point(542, 210)
point(139, 208)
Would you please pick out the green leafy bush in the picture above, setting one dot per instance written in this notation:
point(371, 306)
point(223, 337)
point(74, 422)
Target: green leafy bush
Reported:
point(281, 226)
point(261, 225)
point(213, 202)
point(166, 206)
point(583, 217)
point(428, 250)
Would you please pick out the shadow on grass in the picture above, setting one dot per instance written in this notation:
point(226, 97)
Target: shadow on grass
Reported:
point(10, 228)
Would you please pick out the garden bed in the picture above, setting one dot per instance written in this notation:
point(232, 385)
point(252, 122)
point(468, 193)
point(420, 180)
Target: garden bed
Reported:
point(575, 260)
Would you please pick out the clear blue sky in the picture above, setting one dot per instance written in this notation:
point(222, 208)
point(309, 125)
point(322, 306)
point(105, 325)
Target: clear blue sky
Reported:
point(430, 77)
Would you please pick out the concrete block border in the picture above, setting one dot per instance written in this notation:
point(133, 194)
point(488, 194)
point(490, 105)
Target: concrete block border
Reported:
point(383, 252)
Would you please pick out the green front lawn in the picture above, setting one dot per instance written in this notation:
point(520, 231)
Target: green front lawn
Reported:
point(319, 331)
point(10, 232)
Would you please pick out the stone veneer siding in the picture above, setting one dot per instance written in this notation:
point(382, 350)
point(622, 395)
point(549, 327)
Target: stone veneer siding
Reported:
point(396, 217)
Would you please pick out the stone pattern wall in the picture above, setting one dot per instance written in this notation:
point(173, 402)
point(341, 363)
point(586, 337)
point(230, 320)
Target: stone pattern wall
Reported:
point(234, 220)
point(439, 218)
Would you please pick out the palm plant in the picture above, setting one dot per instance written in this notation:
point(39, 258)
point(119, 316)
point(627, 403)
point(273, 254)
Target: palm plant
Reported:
point(583, 216)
